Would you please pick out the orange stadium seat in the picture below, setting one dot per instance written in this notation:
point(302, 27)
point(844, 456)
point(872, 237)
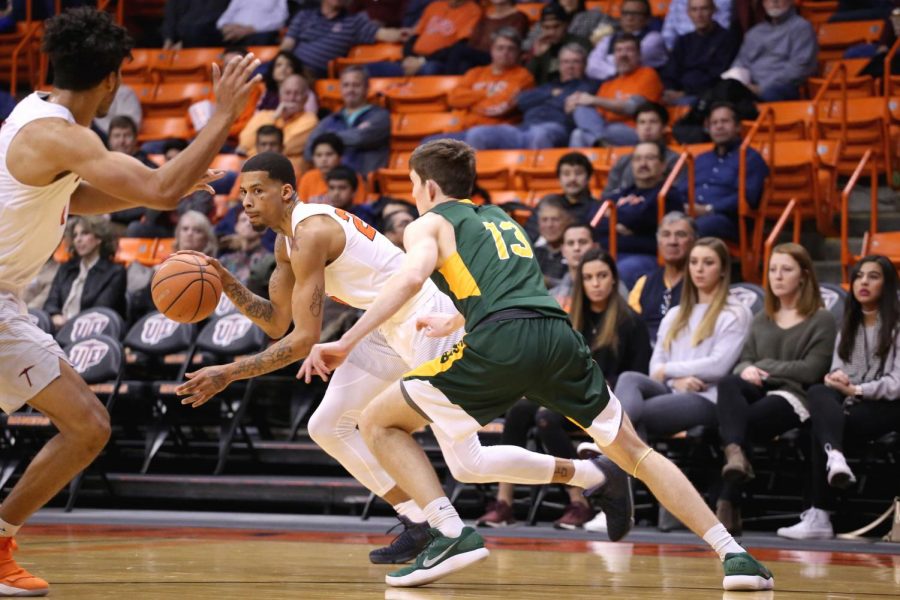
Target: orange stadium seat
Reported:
point(394, 179)
point(165, 247)
point(867, 125)
point(188, 65)
point(817, 12)
point(145, 91)
point(227, 162)
point(532, 10)
point(136, 249)
point(28, 56)
point(173, 99)
point(264, 53)
point(140, 68)
point(499, 197)
point(496, 169)
point(328, 91)
point(793, 120)
point(162, 128)
point(541, 174)
point(365, 54)
point(407, 130)
point(857, 87)
point(835, 38)
point(421, 94)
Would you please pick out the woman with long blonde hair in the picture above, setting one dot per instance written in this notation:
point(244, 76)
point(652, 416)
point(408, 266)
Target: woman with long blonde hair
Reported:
point(698, 343)
point(789, 349)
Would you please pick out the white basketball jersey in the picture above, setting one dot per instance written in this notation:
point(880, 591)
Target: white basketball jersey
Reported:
point(32, 219)
point(367, 262)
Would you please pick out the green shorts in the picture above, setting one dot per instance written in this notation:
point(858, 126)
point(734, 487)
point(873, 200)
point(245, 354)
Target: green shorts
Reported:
point(542, 359)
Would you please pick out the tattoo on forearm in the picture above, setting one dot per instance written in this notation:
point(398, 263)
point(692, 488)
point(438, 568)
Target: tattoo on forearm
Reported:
point(278, 355)
point(250, 304)
point(317, 300)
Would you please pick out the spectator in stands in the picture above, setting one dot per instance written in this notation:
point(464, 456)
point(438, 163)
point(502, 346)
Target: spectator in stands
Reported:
point(246, 248)
point(477, 50)
point(617, 336)
point(577, 240)
point(574, 172)
point(488, 94)
point(395, 224)
point(635, 18)
point(444, 24)
point(778, 54)
point(172, 147)
point(125, 103)
point(253, 22)
point(681, 17)
point(90, 278)
point(699, 56)
point(553, 218)
point(650, 120)
point(582, 22)
point(716, 176)
point(343, 186)
point(699, 343)
point(637, 213)
point(545, 122)
point(658, 291)
point(192, 23)
point(327, 151)
point(545, 60)
point(386, 13)
point(860, 397)
point(316, 36)
point(269, 138)
point(38, 289)
point(608, 117)
point(788, 350)
point(290, 116)
point(123, 137)
point(283, 66)
point(364, 128)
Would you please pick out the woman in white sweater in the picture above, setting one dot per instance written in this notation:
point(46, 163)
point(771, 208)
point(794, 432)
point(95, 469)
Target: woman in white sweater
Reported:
point(860, 397)
point(698, 344)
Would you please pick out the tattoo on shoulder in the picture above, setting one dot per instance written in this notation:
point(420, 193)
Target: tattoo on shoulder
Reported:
point(317, 300)
point(251, 304)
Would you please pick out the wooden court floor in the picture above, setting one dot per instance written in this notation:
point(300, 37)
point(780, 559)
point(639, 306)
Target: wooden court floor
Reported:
point(100, 562)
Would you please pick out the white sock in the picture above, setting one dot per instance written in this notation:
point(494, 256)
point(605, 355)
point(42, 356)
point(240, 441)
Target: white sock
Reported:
point(721, 541)
point(587, 475)
point(411, 511)
point(442, 516)
point(8, 529)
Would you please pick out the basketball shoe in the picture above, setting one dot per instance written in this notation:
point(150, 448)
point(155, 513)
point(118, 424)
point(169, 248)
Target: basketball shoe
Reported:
point(443, 556)
point(743, 572)
point(405, 547)
point(615, 498)
point(14, 580)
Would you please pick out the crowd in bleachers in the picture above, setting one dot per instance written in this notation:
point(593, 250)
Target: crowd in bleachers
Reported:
point(614, 131)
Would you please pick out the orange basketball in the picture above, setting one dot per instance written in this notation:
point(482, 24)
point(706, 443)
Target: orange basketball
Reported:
point(186, 289)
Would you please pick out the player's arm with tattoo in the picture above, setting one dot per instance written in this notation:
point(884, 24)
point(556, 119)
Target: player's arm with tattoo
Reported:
point(309, 254)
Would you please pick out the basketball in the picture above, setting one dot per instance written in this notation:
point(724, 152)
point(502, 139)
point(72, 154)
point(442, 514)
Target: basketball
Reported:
point(186, 288)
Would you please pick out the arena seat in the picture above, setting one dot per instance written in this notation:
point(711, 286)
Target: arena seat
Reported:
point(835, 38)
point(497, 169)
point(793, 120)
point(189, 65)
point(365, 54)
point(407, 130)
point(264, 53)
point(227, 162)
point(165, 247)
point(173, 99)
point(541, 173)
point(162, 128)
point(421, 94)
point(523, 197)
point(140, 68)
point(857, 87)
point(136, 249)
point(532, 10)
point(817, 12)
point(394, 179)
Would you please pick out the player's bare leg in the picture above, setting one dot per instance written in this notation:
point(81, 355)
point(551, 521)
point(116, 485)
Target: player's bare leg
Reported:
point(83, 425)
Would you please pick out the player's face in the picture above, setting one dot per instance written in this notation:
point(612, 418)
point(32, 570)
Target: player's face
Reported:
point(868, 284)
point(785, 275)
point(598, 281)
point(576, 241)
point(705, 269)
point(263, 199)
point(340, 193)
point(86, 243)
point(325, 158)
point(573, 179)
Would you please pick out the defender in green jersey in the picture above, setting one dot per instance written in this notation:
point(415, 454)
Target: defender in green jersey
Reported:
point(517, 343)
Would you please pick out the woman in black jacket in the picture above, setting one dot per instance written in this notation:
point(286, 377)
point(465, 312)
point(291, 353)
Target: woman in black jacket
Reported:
point(90, 278)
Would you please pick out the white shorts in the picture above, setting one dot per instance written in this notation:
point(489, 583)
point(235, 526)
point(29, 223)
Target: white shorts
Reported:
point(29, 357)
point(394, 349)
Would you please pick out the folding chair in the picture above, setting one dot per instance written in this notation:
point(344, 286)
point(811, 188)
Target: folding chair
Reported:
point(91, 322)
point(750, 295)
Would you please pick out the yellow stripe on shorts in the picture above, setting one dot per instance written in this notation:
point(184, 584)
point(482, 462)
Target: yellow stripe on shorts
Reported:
point(439, 364)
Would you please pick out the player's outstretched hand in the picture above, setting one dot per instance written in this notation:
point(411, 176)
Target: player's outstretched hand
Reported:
point(203, 183)
point(233, 84)
point(322, 360)
point(203, 385)
point(437, 325)
point(214, 263)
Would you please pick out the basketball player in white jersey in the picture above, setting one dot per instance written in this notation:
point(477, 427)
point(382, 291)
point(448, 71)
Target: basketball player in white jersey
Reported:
point(326, 251)
point(52, 165)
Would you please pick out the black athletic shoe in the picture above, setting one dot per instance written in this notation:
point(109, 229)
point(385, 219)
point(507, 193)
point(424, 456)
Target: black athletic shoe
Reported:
point(405, 547)
point(615, 498)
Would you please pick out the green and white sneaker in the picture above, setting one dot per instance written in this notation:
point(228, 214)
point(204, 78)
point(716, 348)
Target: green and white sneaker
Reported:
point(743, 572)
point(441, 557)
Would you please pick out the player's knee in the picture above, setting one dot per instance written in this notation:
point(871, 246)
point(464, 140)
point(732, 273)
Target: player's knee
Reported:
point(370, 426)
point(93, 428)
point(320, 429)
